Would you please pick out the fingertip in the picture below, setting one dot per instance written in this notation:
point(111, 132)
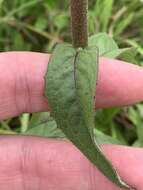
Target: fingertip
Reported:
point(119, 83)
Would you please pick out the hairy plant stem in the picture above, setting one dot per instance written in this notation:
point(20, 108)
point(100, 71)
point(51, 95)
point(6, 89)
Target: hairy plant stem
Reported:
point(79, 10)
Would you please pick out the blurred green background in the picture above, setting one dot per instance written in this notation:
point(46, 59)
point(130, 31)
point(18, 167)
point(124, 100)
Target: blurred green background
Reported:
point(37, 25)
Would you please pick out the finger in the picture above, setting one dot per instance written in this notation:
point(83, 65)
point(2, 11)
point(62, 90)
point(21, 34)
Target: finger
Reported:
point(22, 83)
point(120, 83)
point(59, 165)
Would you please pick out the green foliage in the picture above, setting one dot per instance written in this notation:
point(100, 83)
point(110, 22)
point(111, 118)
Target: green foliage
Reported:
point(41, 124)
point(49, 24)
point(105, 7)
point(108, 47)
point(70, 89)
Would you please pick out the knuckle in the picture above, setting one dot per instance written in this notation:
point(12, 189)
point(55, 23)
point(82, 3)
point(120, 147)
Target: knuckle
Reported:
point(29, 167)
point(24, 167)
point(22, 91)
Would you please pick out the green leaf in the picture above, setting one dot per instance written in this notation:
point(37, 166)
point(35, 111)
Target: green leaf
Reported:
point(136, 116)
point(60, 21)
point(105, 117)
point(123, 24)
point(41, 23)
point(129, 55)
point(70, 89)
point(136, 45)
point(103, 11)
point(102, 138)
point(48, 129)
point(105, 43)
point(119, 53)
point(106, 13)
point(51, 3)
point(43, 125)
point(38, 119)
point(108, 48)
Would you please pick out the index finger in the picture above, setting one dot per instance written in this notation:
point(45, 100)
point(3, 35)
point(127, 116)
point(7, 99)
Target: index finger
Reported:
point(22, 83)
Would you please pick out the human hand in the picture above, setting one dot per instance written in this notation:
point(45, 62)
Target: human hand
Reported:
point(32, 163)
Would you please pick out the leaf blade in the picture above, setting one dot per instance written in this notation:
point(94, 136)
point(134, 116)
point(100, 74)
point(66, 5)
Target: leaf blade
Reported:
point(70, 89)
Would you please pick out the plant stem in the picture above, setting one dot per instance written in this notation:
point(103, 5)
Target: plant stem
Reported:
point(79, 10)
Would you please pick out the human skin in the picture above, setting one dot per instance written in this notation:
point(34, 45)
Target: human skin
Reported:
point(33, 163)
